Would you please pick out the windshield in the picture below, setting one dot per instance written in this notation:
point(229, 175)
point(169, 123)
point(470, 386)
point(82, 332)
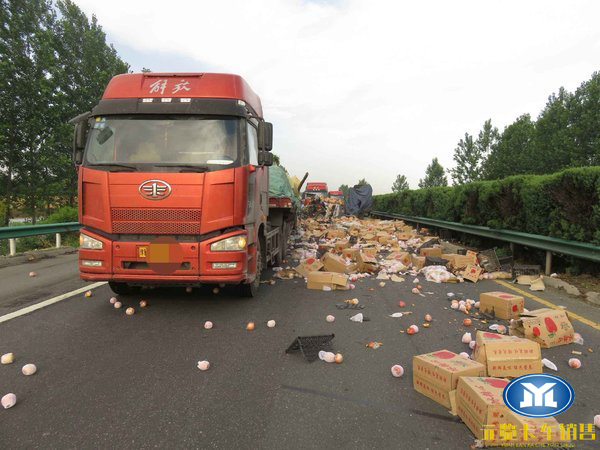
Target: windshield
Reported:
point(163, 141)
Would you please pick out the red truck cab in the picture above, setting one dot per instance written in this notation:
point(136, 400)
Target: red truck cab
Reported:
point(173, 183)
point(336, 194)
point(316, 189)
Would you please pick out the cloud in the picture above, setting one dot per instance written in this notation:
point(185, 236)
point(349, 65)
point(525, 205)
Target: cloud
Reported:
point(370, 89)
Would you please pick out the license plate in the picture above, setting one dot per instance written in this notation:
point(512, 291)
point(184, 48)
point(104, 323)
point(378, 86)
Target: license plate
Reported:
point(142, 252)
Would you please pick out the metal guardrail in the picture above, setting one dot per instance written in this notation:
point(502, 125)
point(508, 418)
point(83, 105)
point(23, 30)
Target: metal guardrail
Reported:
point(12, 233)
point(551, 245)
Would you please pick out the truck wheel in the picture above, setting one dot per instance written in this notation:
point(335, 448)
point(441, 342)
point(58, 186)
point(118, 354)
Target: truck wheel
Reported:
point(251, 289)
point(121, 288)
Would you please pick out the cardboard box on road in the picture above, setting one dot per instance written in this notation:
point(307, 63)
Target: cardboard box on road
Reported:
point(472, 273)
point(459, 261)
point(327, 281)
point(366, 263)
point(548, 327)
point(351, 253)
point(480, 406)
point(418, 262)
point(336, 233)
point(431, 251)
point(507, 356)
point(335, 263)
point(309, 265)
point(436, 374)
point(341, 245)
point(503, 305)
point(538, 429)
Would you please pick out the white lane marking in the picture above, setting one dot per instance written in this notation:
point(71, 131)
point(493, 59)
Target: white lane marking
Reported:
point(48, 302)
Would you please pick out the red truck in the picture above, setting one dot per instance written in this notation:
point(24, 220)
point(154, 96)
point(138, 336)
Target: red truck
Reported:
point(336, 194)
point(314, 189)
point(173, 183)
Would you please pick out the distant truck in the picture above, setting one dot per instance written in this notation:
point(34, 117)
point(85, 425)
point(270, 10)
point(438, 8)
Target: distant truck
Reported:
point(174, 184)
point(316, 189)
point(336, 194)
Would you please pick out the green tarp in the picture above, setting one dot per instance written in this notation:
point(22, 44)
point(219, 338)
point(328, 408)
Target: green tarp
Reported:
point(279, 185)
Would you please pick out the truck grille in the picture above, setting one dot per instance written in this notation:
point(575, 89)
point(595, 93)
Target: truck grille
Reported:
point(155, 221)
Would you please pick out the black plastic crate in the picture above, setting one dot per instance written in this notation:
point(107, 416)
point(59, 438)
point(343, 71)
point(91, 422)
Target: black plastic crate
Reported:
point(526, 269)
point(489, 260)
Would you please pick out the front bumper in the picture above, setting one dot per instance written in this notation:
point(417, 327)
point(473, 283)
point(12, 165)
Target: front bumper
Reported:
point(120, 261)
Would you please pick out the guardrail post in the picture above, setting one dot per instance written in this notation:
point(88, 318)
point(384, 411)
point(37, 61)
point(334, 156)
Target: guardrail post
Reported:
point(548, 262)
point(58, 240)
point(512, 249)
point(12, 245)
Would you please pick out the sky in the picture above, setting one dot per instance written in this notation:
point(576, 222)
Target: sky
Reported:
point(367, 88)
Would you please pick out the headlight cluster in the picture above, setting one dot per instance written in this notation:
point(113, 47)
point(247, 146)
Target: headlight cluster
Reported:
point(89, 243)
point(232, 244)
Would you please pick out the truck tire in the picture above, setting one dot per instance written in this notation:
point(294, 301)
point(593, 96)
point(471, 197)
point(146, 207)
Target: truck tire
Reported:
point(250, 290)
point(121, 288)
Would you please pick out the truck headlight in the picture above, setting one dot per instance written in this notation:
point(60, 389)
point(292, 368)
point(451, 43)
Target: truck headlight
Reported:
point(232, 244)
point(89, 242)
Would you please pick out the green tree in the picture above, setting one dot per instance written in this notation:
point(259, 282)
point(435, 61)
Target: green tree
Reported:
point(470, 155)
point(434, 176)
point(362, 182)
point(584, 122)
point(514, 152)
point(344, 188)
point(276, 160)
point(26, 60)
point(401, 184)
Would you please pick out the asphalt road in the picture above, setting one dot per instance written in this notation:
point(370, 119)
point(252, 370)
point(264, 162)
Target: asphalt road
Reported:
point(107, 380)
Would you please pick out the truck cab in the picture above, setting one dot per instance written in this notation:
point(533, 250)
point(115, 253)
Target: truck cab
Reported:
point(315, 189)
point(173, 183)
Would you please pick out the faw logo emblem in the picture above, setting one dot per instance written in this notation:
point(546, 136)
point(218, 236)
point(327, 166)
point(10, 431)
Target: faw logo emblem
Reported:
point(538, 395)
point(155, 189)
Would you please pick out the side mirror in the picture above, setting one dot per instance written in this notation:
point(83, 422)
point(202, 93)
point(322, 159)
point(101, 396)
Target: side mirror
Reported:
point(265, 136)
point(79, 136)
point(265, 158)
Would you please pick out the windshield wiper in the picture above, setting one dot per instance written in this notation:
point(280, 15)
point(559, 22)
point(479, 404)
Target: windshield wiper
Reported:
point(116, 165)
point(185, 167)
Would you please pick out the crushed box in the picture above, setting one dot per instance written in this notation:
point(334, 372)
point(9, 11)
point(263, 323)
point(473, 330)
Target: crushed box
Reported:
point(336, 263)
point(431, 251)
point(548, 327)
point(366, 263)
point(436, 374)
point(459, 261)
point(507, 356)
point(418, 262)
point(503, 305)
point(472, 273)
point(309, 265)
point(327, 281)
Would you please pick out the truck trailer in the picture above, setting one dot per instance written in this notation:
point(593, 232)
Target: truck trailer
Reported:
point(174, 184)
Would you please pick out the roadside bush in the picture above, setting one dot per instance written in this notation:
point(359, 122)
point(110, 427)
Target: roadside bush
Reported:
point(563, 205)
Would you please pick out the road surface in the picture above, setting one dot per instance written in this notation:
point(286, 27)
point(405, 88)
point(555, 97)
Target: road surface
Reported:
point(107, 380)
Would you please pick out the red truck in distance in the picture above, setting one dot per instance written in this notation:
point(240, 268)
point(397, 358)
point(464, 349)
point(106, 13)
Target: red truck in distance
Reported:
point(173, 183)
point(314, 189)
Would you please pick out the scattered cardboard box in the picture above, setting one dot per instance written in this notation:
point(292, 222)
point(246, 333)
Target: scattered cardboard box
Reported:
point(309, 265)
point(366, 263)
point(336, 263)
point(327, 281)
point(431, 251)
point(507, 356)
point(480, 406)
point(540, 431)
point(548, 327)
point(418, 262)
point(459, 261)
point(472, 273)
point(336, 233)
point(436, 374)
point(502, 304)
point(351, 253)
point(341, 245)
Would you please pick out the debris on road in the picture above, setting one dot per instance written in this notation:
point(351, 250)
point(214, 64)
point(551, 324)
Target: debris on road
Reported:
point(203, 365)
point(117, 305)
point(271, 324)
point(467, 338)
point(32, 274)
point(339, 358)
point(501, 304)
point(143, 303)
point(29, 369)
point(7, 358)
point(113, 300)
point(574, 363)
point(208, 325)
point(397, 370)
point(330, 318)
point(130, 311)
point(374, 345)
point(548, 327)
point(413, 329)
point(310, 346)
point(8, 401)
point(326, 356)
point(250, 326)
point(88, 294)
point(549, 364)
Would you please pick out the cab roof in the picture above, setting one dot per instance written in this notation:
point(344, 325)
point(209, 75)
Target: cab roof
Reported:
point(183, 85)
